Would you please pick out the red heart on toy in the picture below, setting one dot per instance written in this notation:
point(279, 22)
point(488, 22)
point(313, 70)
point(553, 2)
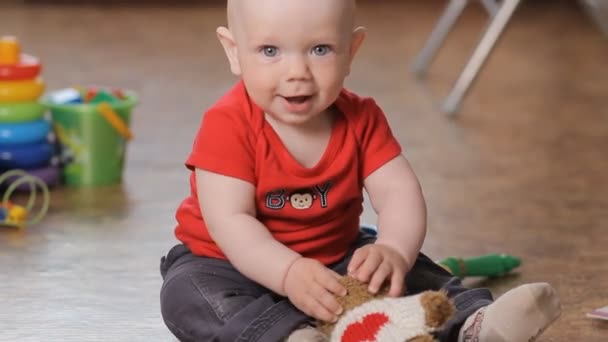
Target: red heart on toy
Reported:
point(365, 330)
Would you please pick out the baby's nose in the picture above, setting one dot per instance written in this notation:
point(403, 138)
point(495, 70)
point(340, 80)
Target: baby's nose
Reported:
point(298, 69)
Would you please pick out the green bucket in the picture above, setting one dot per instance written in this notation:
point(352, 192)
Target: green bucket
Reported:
point(92, 146)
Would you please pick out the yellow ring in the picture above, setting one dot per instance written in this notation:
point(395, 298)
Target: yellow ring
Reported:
point(21, 91)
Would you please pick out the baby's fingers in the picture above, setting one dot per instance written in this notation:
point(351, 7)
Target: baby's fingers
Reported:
point(397, 279)
point(321, 313)
point(357, 260)
point(329, 280)
point(382, 272)
point(369, 267)
point(327, 307)
point(318, 311)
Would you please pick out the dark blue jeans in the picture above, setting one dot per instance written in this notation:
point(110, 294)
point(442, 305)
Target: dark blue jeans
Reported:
point(205, 299)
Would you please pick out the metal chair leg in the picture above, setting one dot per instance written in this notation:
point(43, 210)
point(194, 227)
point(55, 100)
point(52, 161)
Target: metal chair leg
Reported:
point(483, 49)
point(491, 6)
point(500, 12)
point(449, 17)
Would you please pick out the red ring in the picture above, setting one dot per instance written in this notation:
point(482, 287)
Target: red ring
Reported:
point(29, 67)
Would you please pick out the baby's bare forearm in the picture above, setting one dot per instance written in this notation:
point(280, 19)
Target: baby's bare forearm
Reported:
point(253, 251)
point(402, 221)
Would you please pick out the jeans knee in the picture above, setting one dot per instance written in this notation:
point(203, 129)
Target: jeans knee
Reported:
point(183, 310)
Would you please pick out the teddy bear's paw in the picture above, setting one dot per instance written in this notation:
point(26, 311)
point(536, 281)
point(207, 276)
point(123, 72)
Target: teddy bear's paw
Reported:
point(423, 338)
point(307, 334)
point(438, 308)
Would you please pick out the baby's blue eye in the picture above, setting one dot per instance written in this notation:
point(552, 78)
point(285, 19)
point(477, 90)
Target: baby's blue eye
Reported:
point(269, 51)
point(321, 50)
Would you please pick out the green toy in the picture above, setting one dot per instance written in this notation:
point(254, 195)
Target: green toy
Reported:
point(93, 142)
point(490, 265)
point(104, 96)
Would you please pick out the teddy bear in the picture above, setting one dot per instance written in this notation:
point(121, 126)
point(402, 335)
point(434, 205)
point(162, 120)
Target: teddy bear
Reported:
point(379, 318)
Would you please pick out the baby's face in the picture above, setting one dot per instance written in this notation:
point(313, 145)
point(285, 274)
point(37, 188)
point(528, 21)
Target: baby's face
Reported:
point(293, 55)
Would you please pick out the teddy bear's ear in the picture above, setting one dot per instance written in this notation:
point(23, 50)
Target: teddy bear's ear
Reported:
point(437, 306)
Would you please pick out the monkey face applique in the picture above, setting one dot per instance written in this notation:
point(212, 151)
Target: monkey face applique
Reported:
point(301, 200)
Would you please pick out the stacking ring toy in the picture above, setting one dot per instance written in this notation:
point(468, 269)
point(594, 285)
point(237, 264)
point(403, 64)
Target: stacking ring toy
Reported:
point(48, 174)
point(21, 112)
point(24, 132)
point(28, 68)
point(17, 215)
point(10, 51)
point(21, 91)
point(28, 156)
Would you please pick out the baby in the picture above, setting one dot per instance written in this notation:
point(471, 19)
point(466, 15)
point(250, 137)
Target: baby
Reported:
point(278, 169)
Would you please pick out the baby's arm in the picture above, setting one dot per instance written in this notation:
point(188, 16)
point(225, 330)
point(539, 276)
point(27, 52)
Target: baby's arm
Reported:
point(396, 197)
point(228, 205)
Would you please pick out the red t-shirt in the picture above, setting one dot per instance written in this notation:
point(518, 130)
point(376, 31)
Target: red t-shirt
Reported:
point(314, 211)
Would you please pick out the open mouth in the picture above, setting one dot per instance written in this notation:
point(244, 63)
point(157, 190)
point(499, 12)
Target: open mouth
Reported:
point(297, 99)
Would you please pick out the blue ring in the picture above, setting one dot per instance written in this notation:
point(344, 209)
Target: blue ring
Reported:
point(25, 156)
point(24, 132)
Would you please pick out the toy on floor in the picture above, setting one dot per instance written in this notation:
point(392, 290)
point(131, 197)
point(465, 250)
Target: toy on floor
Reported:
point(369, 317)
point(24, 131)
point(601, 313)
point(13, 64)
point(102, 97)
point(19, 216)
point(489, 265)
point(19, 73)
point(114, 120)
point(93, 94)
point(92, 129)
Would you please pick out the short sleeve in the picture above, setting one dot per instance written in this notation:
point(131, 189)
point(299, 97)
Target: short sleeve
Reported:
point(224, 144)
point(378, 145)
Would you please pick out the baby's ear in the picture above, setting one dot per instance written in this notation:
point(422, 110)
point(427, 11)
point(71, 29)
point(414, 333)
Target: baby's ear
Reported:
point(358, 36)
point(230, 48)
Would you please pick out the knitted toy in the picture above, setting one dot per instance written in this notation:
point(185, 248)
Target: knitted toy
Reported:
point(378, 318)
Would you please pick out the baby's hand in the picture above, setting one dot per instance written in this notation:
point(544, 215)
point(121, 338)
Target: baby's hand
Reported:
point(312, 288)
point(374, 263)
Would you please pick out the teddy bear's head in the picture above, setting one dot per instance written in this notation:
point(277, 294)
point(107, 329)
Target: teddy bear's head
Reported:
point(369, 317)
